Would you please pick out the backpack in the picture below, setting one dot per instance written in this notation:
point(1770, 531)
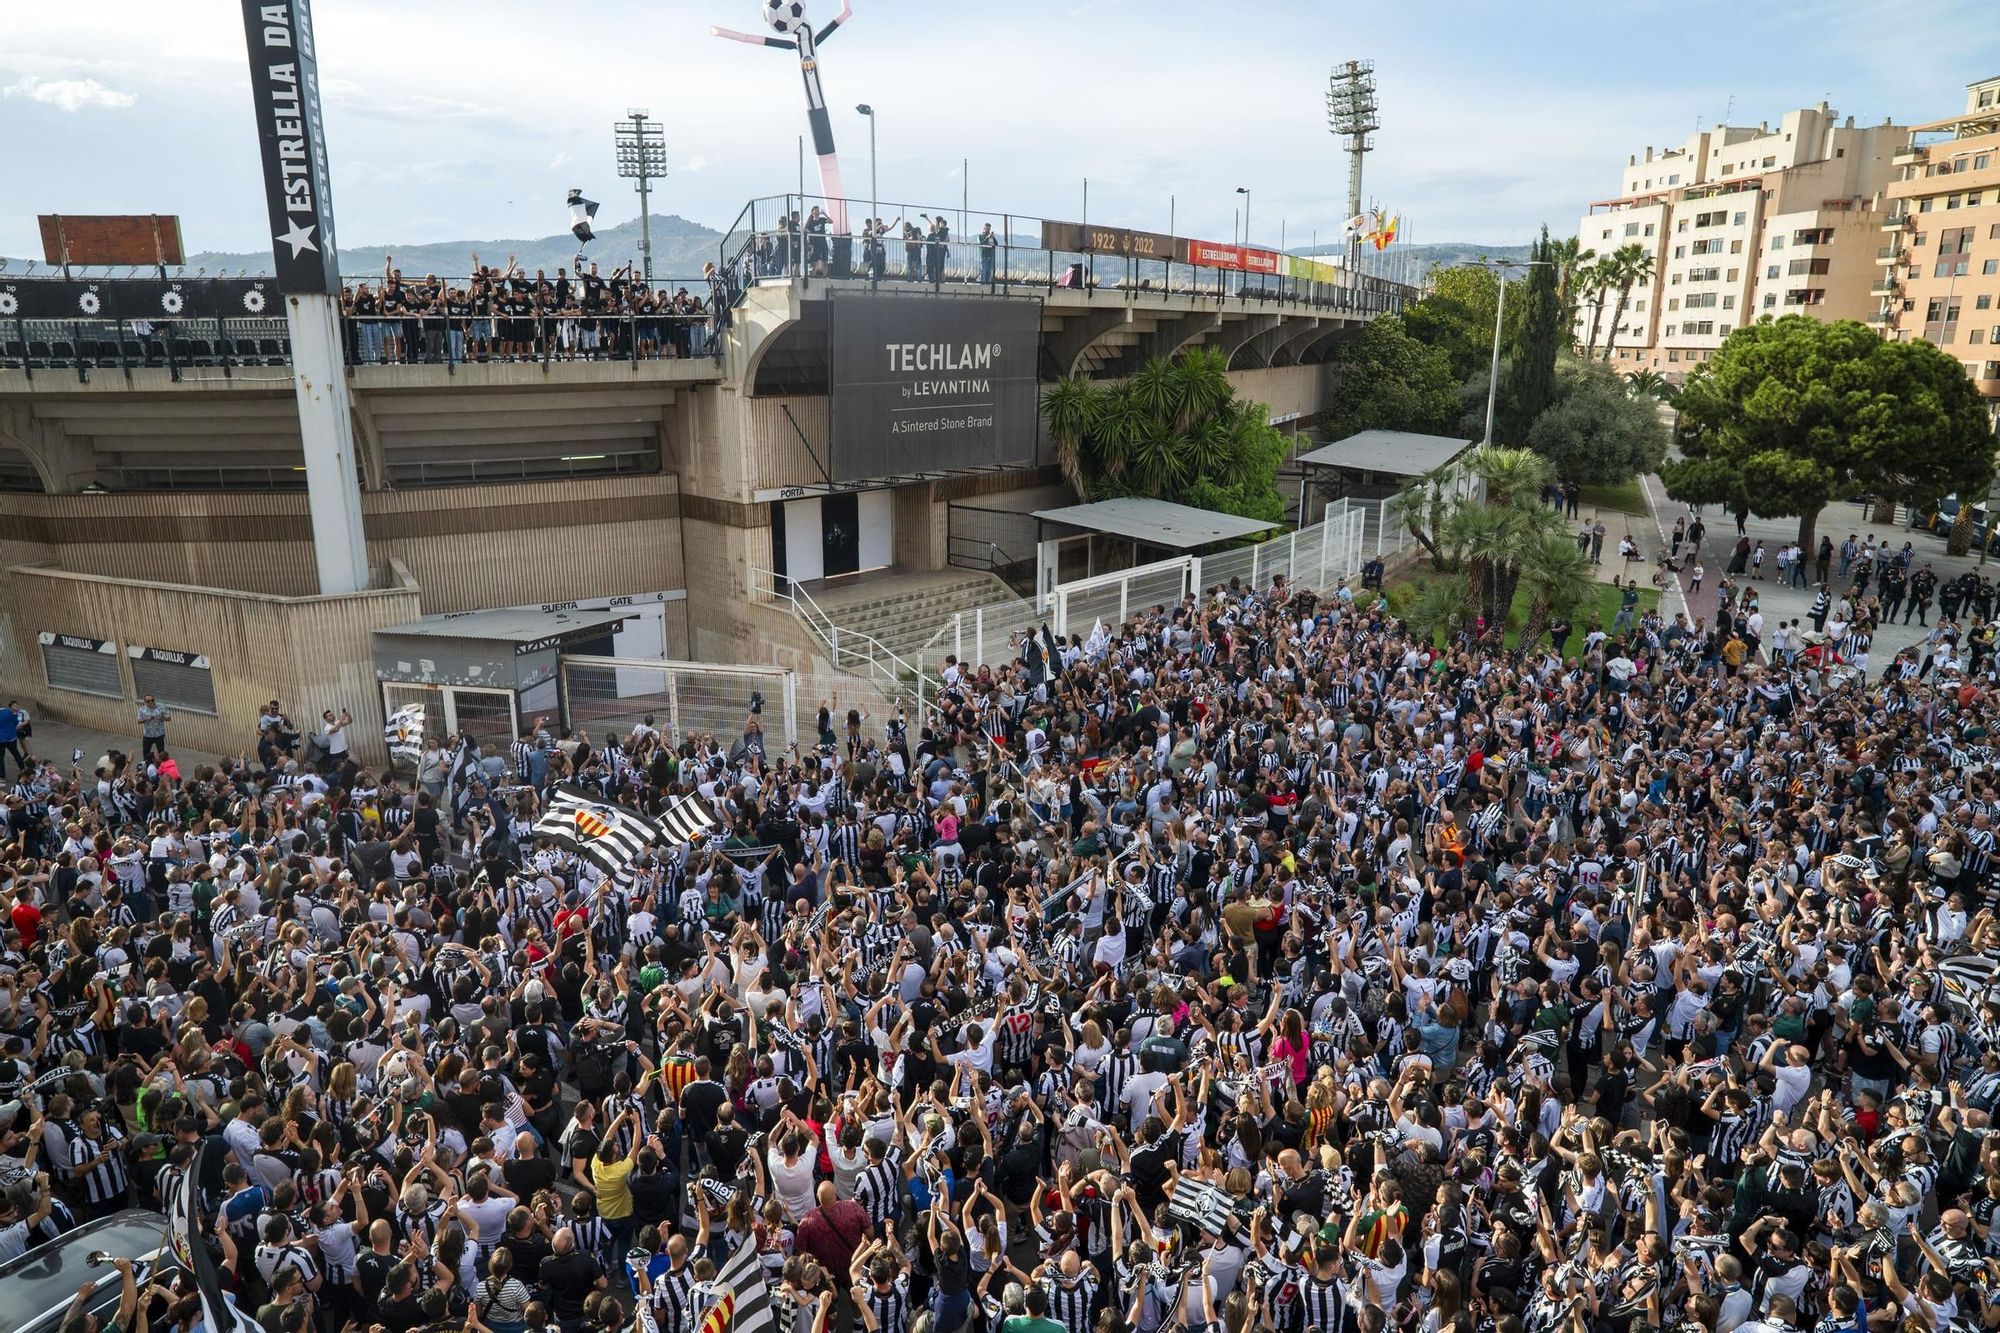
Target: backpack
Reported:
point(592, 1069)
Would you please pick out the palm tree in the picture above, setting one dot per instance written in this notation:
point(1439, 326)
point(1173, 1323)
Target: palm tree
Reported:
point(1558, 576)
point(1960, 539)
point(1635, 265)
point(1511, 475)
point(1487, 535)
point(1594, 281)
point(1204, 377)
point(1571, 261)
point(1069, 409)
point(1421, 502)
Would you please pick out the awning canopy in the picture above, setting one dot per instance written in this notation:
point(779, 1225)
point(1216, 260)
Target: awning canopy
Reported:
point(1156, 522)
point(1398, 453)
point(518, 626)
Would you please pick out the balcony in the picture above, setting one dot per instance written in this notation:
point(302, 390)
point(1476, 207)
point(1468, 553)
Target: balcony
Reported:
point(1885, 287)
point(1878, 317)
point(1907, 157)
point(1898, 221)
point(1888, 254)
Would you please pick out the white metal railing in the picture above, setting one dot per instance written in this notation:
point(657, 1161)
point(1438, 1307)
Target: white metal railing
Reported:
point(850, 651)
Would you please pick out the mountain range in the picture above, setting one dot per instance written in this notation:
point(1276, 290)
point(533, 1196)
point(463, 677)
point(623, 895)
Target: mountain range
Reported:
point(680, 247)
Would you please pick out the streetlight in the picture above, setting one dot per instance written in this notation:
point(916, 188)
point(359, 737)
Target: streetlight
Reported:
point(1246, 213)
point(1500, 307)
point(873, 207)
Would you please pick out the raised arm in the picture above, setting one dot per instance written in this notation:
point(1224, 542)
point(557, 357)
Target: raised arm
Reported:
point(752, 39)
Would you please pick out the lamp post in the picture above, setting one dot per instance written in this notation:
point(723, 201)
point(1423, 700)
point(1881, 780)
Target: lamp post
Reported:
point(874, 208)
point(1501, 268)
point(1246, 213)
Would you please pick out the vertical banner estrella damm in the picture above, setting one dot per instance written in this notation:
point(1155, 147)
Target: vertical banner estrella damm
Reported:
point(284, 86)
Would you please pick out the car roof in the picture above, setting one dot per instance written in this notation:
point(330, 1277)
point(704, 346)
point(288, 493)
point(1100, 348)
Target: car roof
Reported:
point(45, 1279)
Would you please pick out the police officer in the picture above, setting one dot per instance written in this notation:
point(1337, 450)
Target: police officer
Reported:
point(1894, 584)
point(1922, 585)
point(1948, 599)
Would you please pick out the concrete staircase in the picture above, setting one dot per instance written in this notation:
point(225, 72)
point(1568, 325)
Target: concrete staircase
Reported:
point(903, 610)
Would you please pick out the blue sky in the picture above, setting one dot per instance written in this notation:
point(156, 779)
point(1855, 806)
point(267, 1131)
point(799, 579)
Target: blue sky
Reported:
point(450, 120)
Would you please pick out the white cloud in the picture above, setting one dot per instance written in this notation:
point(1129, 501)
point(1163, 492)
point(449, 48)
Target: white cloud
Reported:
point(558, 160)
point(69, 94)
point(695, 163)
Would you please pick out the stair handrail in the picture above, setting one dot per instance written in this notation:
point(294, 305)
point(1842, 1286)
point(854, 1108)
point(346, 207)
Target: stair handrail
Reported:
point(829, 633)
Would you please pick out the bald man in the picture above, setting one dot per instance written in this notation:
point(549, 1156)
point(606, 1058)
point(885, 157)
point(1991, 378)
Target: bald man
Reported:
point(571, 1275)
point(833, 1230)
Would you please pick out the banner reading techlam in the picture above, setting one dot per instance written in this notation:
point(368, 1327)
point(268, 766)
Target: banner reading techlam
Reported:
point(929, 384)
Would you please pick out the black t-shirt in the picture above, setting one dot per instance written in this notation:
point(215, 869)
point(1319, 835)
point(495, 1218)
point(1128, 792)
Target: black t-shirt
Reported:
point(402, 1316)
point(529, 1251)
point(373, 1271)
point(700, 1101)
point(570, 1278)
point(1149, 1169)
point(726, 1144)
point(526, 1175)
point(652, 1197)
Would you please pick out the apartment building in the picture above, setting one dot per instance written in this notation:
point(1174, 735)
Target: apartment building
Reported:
point(1741, 221)
point(1940, 269)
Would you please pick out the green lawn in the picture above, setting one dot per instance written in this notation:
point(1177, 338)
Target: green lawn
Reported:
point(1625, 497)
point(1604, 608)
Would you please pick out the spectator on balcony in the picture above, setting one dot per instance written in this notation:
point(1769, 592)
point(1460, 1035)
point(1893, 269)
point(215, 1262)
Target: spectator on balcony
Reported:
point(913, 251)
point(989, 250)
point(816, 249)
point(940, 240)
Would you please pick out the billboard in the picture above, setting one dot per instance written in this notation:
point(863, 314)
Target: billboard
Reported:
point(298, 190)
point(151, 299)
point(146, 238)
point(926, 384)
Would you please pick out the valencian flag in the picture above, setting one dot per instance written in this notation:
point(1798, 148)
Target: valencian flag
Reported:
point(218, 1308)
point(581, 211)
point(1385, 234)
point(739, 1298)
point(608, 834)
point(404, 733)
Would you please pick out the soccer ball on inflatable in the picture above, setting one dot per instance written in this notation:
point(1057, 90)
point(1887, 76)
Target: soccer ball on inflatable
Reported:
point(785, 15)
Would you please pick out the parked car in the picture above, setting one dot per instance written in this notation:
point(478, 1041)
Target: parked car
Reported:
point(37, 1288)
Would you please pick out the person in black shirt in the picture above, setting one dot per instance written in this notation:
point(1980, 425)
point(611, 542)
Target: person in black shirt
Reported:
point(570, 1275)
point(727, 1142)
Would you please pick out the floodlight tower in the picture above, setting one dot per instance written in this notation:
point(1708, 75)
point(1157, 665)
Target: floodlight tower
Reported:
point(642, 153)
point(1352, 113)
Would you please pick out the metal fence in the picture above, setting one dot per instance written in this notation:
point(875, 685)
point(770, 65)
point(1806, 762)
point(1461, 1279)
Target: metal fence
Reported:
point(762, 244)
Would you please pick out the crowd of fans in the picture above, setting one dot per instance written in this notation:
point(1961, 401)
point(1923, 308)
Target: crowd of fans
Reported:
point(1252, 964)
point(506, 314)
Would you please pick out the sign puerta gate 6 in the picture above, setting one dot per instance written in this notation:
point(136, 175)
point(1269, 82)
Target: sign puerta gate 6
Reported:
point(929, 384)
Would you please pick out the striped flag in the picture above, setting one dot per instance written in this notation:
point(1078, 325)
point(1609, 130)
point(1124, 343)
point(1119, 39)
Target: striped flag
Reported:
point(218, 1308)
point(739, 1297)
point(1202, 1204)
point(404, 733)
point(610, 835)
point(685, 820)
point(582, 212)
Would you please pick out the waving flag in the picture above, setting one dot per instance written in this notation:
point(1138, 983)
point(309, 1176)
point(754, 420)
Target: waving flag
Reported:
point(218, 1308)
point(404, 733)
point(1355, 226)
point(609, 835)
point(1386, 233)
point(581, 211)
point(739, 1298)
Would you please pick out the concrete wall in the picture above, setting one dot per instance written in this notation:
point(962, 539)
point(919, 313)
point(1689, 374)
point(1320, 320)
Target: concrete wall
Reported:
point(313, 652)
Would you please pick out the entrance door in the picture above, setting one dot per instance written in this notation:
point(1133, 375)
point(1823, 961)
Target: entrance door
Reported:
point(840, 533)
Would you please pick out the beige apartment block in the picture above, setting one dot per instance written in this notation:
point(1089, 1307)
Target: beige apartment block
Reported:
point(1939, 266)
point(1741, 222)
